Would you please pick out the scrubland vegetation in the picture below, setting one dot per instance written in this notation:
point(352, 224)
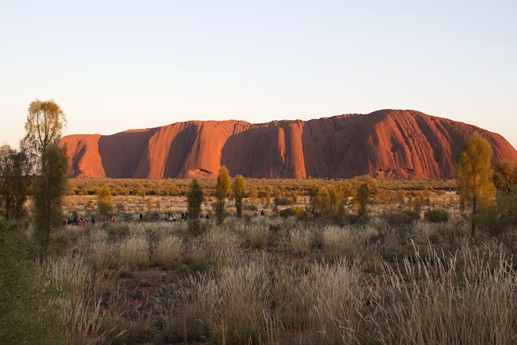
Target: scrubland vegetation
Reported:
point(269, 280)
point(328, 261)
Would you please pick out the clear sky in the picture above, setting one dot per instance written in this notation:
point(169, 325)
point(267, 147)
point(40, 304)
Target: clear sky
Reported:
point(116, 65)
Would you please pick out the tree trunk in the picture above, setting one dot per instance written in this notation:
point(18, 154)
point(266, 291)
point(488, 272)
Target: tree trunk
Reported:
point(474, 213)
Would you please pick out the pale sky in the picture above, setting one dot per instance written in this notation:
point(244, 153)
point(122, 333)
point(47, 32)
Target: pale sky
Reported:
point(117, 65)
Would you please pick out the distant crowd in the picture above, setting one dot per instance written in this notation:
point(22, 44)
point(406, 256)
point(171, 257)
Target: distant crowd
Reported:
point(168, 217)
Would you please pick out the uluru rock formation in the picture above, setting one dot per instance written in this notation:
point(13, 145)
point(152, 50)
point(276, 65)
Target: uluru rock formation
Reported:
point(384, 144)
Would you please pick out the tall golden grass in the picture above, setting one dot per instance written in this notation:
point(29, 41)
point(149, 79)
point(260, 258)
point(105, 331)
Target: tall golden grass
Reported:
point(271, 281)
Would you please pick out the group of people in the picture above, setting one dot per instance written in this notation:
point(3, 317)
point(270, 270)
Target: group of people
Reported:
point(256, 214)
point(78, 221)
point(170, 217)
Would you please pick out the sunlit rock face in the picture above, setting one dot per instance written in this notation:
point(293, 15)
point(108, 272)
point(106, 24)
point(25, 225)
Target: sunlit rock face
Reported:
point(384, 144)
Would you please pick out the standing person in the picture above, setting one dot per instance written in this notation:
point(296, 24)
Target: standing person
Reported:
point(141, 216)
point(93, 220)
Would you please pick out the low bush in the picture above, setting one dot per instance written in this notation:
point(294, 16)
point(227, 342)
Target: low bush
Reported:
point(284, 201)
point(436, 216)
point(355, 219)
point(405, 217)
point(250, 208)
point(293, 212)
point(500, 219)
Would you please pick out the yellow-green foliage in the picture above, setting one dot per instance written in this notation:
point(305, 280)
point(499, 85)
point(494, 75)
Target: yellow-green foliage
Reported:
point(239, 192)
point(104, 202)
point(195, 198)
point(474, 174)
point(221, 192)
point(324, 202)
point(474, 171)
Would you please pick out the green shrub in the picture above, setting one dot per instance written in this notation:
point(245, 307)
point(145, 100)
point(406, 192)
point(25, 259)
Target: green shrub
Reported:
point(25, 314)
point(436, 216)
point(250, 208)
point(355, 219)
point(284, 201)
point(501, 218)
point(293, 211)
point(405, 217)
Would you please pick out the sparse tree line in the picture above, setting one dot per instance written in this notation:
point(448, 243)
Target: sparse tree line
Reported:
point(288, 188)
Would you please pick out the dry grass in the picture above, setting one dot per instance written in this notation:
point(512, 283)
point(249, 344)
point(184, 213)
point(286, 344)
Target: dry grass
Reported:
point(101, 253)
point(79, 309)
point(228, 307)
point(221, 247)
point(258, 236)
point(133, 253)
point(321, 301)
point(440, 302)
point(273, 281)
point(168, 252)
point(299, 241)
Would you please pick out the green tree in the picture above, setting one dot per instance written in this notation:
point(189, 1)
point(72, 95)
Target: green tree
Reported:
point(239, 191)
point(313, 197)
point(269, 191)
point(336, 199)
point(194, 199)
point(347, 191)
point(14, 181)
point(362, 196)
point(45, 122)
point(43, 127)
point(474, 174)
point(221, 193)
point(324, 201)
point(500, 218)
point(104, 202)
point(49, 189)
point(505, 176)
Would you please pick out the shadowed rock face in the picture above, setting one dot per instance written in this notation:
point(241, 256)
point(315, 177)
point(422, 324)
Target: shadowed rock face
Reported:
point(384, 144)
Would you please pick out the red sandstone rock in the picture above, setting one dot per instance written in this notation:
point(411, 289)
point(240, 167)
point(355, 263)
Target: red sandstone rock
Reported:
point(384, 144)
